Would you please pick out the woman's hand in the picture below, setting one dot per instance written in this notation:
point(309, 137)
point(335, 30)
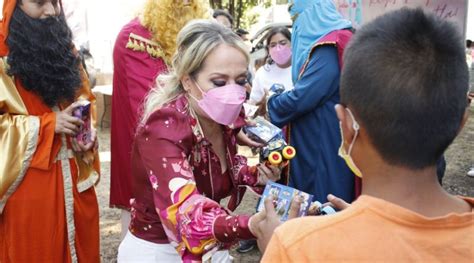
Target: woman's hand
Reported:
point(268, 173)
point(244, 140)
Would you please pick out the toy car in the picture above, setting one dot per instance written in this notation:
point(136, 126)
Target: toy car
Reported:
point(276, 151)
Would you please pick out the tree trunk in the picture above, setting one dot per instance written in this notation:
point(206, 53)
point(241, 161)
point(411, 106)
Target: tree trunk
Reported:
point(215, 4)
point(232, 7)
point(239, 14)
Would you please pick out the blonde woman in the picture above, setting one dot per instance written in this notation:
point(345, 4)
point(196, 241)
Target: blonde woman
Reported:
point(184, 159)
point(142, 51)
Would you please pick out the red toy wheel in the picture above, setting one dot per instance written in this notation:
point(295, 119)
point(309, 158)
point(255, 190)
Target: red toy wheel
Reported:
point(275, 158)
point(289, 152)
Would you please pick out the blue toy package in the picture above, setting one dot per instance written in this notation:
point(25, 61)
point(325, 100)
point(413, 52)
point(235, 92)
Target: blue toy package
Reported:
point(263, 131)
point(282, 196)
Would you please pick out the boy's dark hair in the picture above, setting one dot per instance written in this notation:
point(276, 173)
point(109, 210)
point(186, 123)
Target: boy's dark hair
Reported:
point(405, 78)
point(221, 12)
point(468, 43)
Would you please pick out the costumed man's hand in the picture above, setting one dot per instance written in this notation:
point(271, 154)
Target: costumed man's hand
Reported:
point(263, 224)
point(80, 147)
point(66, 123)
point(268, 173)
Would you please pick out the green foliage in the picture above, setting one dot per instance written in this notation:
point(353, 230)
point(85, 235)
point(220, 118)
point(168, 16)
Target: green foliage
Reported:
point(241, 10)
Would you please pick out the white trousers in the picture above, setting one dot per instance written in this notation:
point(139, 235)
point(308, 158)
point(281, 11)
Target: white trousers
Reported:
point(136, 250)
point(125, 218)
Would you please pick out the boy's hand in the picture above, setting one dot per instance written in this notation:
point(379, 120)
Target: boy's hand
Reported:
point(335, 202)
point(263, 224)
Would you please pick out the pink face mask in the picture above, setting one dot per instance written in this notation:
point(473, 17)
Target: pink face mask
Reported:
point(280, 54)
point(222, 104)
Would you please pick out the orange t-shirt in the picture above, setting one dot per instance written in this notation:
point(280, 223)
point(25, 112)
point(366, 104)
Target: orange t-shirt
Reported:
point(374, 230)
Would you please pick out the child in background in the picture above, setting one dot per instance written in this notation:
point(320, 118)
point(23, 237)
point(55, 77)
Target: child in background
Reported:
point(276, 71)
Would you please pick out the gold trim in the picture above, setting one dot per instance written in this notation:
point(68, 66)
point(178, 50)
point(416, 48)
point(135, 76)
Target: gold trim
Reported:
point(89, 182)
point(303, 68)
point(141, 44)
point(68, 195)
point(142, 39)
point(33, 134)
point(13, 101)
point(68, 199)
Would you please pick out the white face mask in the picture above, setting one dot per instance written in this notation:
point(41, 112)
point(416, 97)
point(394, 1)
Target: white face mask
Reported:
point(347, 155)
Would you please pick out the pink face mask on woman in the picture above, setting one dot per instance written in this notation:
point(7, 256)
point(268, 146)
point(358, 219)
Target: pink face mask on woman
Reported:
point(222, 104)
point(280, 54)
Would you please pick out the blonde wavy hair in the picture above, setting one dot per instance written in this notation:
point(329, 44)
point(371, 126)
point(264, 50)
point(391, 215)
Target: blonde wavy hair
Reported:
point(195, 42)
point(165, 18)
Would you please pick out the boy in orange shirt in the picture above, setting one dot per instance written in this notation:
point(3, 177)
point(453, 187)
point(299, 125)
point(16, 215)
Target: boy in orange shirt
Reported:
point(403, 101)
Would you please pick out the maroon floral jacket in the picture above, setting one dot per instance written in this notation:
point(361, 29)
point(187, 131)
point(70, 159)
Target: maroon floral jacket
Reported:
point(178, 184)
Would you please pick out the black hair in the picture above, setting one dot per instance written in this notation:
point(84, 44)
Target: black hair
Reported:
point(405, 78)
point(240, 32)
point(275, 30)
point(221, 12)
point(41, 55)
point(468, 43)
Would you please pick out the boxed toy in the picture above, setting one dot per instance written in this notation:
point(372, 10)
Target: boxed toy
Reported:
point(263, 131)
point(282, 196)
point(275, 150)
point(83, 112)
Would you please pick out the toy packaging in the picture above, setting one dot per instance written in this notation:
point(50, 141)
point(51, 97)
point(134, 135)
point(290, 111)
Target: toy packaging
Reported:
point(250, 110)
point(276, 89)
point(276, 151)
point(282, 196)
point(263, 131)
point(322, 210)
point(83, 112)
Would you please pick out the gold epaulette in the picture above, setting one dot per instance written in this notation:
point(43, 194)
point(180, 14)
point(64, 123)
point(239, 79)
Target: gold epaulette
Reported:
point(141, 44)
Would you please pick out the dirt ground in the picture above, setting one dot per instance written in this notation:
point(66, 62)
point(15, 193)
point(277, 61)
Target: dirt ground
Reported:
point(460, 157)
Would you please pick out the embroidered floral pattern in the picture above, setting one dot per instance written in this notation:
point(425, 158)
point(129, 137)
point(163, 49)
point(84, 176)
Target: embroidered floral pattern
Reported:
point(177, 155)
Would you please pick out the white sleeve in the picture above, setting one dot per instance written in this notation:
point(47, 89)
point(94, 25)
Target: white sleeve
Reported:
point(257, 93)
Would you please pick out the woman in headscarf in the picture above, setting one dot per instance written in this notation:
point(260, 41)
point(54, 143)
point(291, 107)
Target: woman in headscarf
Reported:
point(319, 37)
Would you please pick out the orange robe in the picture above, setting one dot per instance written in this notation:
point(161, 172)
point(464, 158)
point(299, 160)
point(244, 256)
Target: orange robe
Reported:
point(52, 214)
